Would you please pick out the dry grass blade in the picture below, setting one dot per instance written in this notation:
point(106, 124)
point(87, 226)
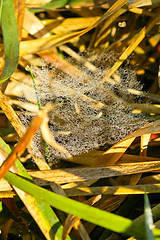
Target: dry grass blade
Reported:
point(69, 24)
point(11, 115)
point(91, 157)
point(143, 152)
point(144, 144)
point(141, 3)
point(5, 186)
point(114, 190)
point(126, 158)
point(34, 26)
point(7, 194)
point(115, 152)
point(145, 107)
point(79, 58)
point(45, 177)
point(69, 175)
point(87, 158)
point(140, 11)
point(19, 6)
point(61, 64)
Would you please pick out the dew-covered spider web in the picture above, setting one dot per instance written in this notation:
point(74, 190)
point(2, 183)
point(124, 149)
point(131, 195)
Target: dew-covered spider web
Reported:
point(88, 114)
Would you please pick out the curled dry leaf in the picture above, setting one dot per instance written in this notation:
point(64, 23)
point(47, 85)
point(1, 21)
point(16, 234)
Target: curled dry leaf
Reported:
point(49, 138)
point(69, 223)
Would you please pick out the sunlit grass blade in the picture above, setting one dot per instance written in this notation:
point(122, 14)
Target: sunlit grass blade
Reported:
point(67, 175)
point(102, 218)
point(115, 190)
point(148, 219)
point(141, 3)
point(10, 39)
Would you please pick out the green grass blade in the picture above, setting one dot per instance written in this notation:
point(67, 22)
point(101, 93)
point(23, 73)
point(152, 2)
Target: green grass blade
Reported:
point(40, 210)
point(54, 4)
point(99, 217)
point(1, 3)
point(148, 219)
point(36, 89)
point(10, 39)
point(70, 2)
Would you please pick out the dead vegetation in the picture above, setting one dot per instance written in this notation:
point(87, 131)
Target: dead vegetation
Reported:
point(87, 75)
